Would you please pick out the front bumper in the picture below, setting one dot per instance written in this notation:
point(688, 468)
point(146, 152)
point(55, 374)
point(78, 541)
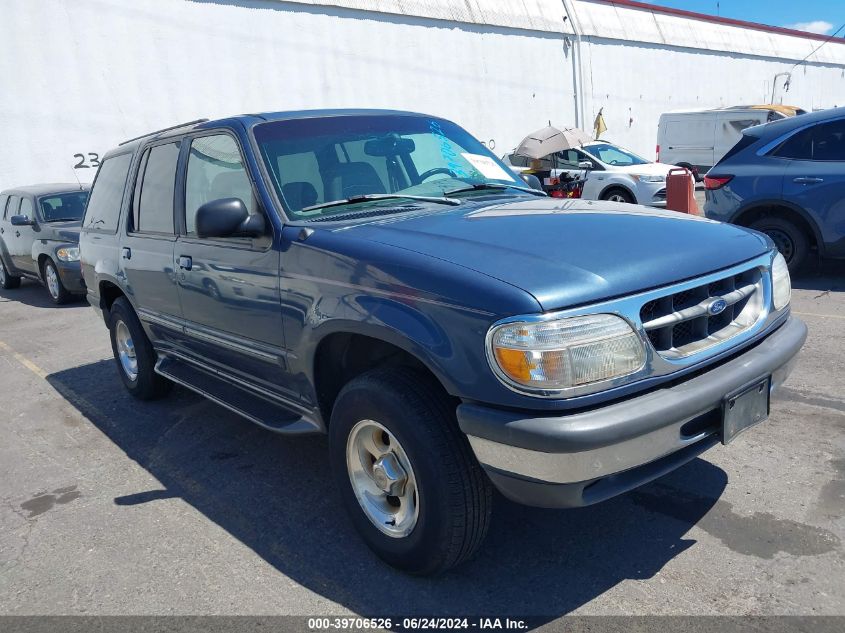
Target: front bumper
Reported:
point(71, 275)
point(586, 457)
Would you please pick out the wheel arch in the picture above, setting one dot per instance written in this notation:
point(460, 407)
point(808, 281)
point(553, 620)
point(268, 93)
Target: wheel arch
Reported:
point(750, 213)
point(618, 185)
point(346, 351)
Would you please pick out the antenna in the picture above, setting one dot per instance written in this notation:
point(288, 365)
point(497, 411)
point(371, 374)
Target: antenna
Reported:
point(75, 175)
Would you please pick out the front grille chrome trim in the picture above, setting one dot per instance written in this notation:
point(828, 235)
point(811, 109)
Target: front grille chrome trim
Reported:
point(701, 309)
point(629, 307)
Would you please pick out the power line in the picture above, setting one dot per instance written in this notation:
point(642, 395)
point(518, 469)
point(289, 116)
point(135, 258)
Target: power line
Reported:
point(818, 48)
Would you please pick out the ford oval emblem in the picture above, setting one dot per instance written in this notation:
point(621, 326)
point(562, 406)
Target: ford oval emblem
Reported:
point(717, 307)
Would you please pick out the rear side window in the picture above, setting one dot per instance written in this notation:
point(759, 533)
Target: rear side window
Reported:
point(12, 206)
point(3, 200)
point(743, 142)
point(154, 189)
point(822, 142)
point(103, 208)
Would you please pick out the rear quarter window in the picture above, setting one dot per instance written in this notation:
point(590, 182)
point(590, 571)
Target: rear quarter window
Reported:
point(743, 142)
point(103, 210)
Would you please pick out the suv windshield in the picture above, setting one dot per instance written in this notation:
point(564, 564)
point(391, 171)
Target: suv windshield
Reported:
point(63, 206)
point(614, 155)
point(315, 161)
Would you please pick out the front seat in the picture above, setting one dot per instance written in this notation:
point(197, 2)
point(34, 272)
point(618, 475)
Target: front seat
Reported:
point(299, 195)
point(232, 184)
point(345, 180)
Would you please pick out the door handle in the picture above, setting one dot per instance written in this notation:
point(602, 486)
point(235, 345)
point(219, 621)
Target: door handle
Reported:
point(185, 262)
point(17, 233)
point(807, 180)
point(126, 252)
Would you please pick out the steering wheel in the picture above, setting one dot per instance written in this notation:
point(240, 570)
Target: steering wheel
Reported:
point(437, 170)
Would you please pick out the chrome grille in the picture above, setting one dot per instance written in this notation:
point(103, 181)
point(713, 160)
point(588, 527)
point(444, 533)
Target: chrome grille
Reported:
point(682, 323)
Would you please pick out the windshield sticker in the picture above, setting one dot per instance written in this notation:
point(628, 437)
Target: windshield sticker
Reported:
point(487, 167)
point(449, 154)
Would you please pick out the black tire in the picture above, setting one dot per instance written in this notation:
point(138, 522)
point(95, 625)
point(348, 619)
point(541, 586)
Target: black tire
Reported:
point(454, 494)
point(618, 192)
point(146, 383)
point(58, 293)
point(8, 281)
point(791, 241)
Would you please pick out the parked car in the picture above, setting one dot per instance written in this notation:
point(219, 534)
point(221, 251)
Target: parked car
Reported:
point(39, 236)
point(449, 328)
point(786, 179)
point(698, 139)
point(612, 173)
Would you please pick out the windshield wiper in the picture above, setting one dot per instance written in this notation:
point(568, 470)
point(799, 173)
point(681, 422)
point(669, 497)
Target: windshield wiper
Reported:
point(479, 186)
point(380, 196)
point(63, 220)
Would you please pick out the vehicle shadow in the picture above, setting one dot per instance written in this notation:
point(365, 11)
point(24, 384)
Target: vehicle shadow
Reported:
point(275, 495)
point(823, 274)
point(33, 294)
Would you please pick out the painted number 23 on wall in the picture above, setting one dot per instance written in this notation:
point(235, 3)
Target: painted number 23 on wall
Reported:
point(86, 161)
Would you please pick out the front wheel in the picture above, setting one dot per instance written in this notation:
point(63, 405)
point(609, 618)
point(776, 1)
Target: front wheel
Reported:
point(134, 354)
point(55, 287)
point(618, 195)
point(8, 281)
point(406, 473)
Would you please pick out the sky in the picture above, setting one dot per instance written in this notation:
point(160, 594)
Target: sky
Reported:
point(817, 16)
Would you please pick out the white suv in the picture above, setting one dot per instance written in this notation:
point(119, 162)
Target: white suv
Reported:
point(613, 173)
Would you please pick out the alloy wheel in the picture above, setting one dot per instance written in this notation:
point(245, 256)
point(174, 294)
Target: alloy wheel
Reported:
point(382, 478)
point(126, 350)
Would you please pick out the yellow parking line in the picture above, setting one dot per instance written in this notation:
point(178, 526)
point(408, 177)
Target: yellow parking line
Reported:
point(815, 314)
point(23, 360)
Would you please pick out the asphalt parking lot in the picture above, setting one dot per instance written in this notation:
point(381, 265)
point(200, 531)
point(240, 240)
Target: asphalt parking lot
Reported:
point(111, 506)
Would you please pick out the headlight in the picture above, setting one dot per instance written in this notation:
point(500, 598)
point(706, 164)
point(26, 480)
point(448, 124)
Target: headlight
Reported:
point(68, 254)
point(561, 353)
point(781, 284)
point(650, 178)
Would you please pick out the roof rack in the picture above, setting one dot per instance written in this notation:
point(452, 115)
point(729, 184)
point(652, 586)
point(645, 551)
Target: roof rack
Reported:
point(166, 129)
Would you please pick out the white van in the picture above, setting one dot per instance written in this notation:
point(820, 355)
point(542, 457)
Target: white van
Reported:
point(698, 139)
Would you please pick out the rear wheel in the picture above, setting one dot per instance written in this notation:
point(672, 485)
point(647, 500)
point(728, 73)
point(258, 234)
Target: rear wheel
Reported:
point(55, 287)
point(8, 281)
point(790, 240)
point(618, 195)
point(134, 354)
point(406, 473)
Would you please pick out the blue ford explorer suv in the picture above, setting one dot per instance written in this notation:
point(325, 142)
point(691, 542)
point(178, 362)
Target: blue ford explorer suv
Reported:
point(381, 277)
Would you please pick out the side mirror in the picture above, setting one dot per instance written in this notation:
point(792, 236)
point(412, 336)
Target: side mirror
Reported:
point(228, 217)
point(21, 220)
point(532, 181)
point(585, 164)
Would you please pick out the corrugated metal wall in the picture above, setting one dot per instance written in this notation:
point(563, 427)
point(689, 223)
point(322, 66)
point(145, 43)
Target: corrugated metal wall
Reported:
point(78, 76)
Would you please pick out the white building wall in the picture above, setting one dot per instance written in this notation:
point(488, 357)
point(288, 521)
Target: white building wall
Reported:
point(639, 64)
point(79, 76)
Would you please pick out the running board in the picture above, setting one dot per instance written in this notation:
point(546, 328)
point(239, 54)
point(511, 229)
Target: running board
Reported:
point(241, 400)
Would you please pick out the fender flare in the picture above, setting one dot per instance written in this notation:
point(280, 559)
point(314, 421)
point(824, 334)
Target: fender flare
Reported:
point(780, 202)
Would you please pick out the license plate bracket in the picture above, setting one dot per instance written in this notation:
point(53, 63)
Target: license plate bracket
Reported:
point(745, 408)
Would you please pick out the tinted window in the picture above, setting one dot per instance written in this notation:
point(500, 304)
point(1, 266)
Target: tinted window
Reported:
point(744, 142)
point(824, 142)
point(215, 171)
point(153, 212)
point(26, 207)
point(64, 206)
point(12, 206)
point(104, 205)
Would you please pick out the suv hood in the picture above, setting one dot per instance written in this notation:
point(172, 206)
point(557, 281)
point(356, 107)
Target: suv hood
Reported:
point(61, 231)
point(570, 252)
